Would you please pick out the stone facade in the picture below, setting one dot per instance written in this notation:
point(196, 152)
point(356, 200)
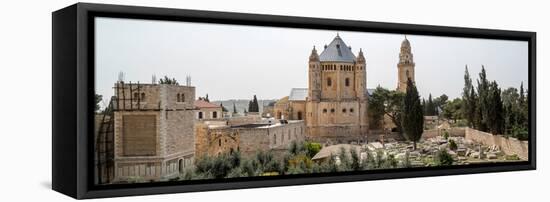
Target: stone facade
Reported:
point(335, 104)
point(208, 111)
point(215, 138)
point(153, 131)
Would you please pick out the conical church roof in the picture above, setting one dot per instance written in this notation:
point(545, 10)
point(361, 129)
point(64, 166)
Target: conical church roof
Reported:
point(337, 51)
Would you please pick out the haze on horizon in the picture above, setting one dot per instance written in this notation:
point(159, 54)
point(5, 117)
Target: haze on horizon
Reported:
point(237, 62)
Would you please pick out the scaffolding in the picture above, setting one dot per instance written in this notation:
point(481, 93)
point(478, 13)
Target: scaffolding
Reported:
point(104, 146)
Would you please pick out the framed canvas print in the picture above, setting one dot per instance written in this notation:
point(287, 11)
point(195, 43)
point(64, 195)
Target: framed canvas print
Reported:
point(157, 100)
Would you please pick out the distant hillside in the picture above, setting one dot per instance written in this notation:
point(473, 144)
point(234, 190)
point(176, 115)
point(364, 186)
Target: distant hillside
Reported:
point(241, 105)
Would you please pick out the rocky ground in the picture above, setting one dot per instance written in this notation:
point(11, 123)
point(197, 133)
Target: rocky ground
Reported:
point(466, 152)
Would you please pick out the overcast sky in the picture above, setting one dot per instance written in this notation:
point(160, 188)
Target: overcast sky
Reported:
point(236, 62)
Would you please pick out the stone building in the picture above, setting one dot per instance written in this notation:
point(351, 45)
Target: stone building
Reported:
point(334, 106)
point(218, 137)
point(154, 135)
point(208, 111)
point(405, 67)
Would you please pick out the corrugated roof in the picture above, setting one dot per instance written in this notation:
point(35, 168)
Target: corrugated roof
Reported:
point(298, 94)
point(205, 104)
point(337, 51)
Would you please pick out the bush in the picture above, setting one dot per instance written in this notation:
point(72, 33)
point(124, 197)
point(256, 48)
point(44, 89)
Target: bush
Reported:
point(513, 157)
point(443, 158)
point(452, 145)
point(389, 162)
point(302, 161)
point(355, 160)
point(520, 133)
point(446, 135)
point(312, 148)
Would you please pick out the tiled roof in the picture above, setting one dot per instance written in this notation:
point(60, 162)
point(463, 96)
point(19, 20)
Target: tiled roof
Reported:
point(337, 51)
point(205, 104)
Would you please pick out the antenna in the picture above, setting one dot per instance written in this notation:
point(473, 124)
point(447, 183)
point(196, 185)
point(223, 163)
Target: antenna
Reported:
point(121, 77)
point(188, 80)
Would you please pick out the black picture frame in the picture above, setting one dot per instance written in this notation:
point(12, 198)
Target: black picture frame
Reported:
point(73, 91)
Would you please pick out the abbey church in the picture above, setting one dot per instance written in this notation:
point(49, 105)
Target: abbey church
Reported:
point(335, 104)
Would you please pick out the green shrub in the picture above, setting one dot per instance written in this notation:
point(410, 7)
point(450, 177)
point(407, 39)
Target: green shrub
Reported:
point(446, 135)
point(389, 162)
point(443, 158)
point(513, 157)
point(312, 148)
point(452, 145)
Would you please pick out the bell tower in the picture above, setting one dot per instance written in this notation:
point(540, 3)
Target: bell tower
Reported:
point(360, 76)
point(405, 67)
point(314, 93)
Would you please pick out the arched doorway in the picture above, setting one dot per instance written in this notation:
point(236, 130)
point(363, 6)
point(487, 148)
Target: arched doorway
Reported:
point(299, 115)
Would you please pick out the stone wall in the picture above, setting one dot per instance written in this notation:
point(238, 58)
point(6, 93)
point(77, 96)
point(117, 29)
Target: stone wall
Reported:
point(242, 120)
point(508, 145)
point(379, 135)
point(454, 132)
point(215, 139)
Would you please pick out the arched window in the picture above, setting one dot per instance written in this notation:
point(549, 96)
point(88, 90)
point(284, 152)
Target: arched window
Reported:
point(142, 96)
point(347, 81)
point(178, 99)
point(351, 110)
point(299, 115)
point(200, 115)
point(324, 110)
point(329, 82)
point(407, 73)
point(182, 98)
point(214, 115)
point(332, 110)
point(220, 142)
point(136, 96)
point(344, 110)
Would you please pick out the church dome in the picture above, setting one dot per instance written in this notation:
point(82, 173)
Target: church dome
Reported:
point(337, 51)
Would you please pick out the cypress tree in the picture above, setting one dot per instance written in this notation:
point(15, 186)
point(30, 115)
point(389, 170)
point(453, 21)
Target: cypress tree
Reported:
point(430, 107)
point(255, 104)
point(424, 106)
point(234, 109)
point(469, 99)
point(413, 115)
point(483, 100)
point(494, 114)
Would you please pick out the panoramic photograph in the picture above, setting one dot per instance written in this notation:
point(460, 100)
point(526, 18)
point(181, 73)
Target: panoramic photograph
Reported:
point(180, 101)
